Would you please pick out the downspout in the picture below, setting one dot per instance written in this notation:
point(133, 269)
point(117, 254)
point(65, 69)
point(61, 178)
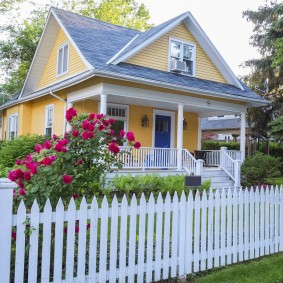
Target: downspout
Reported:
point(65, 108)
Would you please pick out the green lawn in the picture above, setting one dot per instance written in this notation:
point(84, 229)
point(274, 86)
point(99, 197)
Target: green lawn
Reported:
point(268, 269)
point(277, 181)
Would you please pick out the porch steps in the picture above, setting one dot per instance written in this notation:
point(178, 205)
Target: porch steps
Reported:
point(219, 179)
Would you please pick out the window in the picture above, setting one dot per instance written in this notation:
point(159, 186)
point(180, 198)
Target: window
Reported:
point(49, 120)
point(63, 57)
point(119, 113)
point(13, 126)
point(182, 57)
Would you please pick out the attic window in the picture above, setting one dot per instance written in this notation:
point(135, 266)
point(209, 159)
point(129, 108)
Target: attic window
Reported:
point(63, 58)
point(182, 57)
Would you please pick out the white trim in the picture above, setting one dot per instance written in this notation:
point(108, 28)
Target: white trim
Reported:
point(88, 65)
point(47, 107)
point(148, 41)
point(164, 113)
point(62, 46)
point(16, 114)
point(117, 54)
point(182, 55)
point(85, 93)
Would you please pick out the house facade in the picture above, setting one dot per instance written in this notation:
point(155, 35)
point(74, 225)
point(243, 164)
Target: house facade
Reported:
point(158, 83)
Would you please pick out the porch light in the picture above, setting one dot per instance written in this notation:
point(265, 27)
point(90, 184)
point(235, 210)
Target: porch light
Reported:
point(185, 125)
point(145, 121)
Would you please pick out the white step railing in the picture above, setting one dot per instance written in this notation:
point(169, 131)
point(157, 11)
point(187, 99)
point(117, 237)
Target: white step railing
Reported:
point(189, 163)
point(213, 156)
point(230, 166)
point(149, 157)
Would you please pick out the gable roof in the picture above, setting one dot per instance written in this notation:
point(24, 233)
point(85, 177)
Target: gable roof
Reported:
point(97, 42)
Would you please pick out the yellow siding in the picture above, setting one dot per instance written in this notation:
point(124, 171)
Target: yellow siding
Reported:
point(190, 138)
point(76, 65)
point(156, 55)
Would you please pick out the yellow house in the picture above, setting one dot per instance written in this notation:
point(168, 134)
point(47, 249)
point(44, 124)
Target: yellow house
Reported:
point(157, 83)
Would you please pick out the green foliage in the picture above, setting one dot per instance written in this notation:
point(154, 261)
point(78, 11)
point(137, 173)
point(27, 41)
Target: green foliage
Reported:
point(12, 150)
point(151, 183)
point(259, 168)
point(215, 145)
point(276, 129)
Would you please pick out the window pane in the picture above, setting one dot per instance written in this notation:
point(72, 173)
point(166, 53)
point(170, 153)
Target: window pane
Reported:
point(65, 60)
point(117, 127)
point(48, 132)
point(60, 58)
point(188, 52)
point(175, 49)
point(49, 117)
point(189, 65)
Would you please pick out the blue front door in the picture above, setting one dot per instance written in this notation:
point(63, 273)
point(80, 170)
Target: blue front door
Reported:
point(162, 131)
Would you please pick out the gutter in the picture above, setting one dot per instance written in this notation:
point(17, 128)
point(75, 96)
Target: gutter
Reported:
point(108, 74)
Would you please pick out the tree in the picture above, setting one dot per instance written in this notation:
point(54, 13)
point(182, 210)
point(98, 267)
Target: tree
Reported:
point(276, 129)
point(266, 77)
point(19, 45)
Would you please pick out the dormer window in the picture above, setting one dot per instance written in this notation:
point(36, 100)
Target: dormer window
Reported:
point(182, 57)
point(63, 58)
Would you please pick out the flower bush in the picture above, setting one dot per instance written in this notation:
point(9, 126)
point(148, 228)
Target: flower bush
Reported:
point(71, 166)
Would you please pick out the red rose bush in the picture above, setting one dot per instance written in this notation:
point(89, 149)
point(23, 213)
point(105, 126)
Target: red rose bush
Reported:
point(72, 165)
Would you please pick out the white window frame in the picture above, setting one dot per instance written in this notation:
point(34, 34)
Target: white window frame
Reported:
point(47, 107)
point(14, 115)
point(181, 56)
point(68, 56)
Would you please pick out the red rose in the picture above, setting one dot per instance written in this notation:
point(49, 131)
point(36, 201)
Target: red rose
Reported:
point(111, 133)
point(113, 147)
point(22, 192)
point(77, 229)
point(33, 169)
point(18, 162)
point(27, 176)
point(47, 144)
point(122, 133)
point(90, 135)
point(90, 127)
point(91, 116)
point(130, 136)
point(54, 137)
point(37, 148)
point(70, 113)
point(67, 179)
point(111, 120)
point(14, 234)
point(85, 135)
point(75, 133)
point(137, 145)
point(12, 176)
point(75, 196)
point(64, 149)
point(47, 161)
point(85, 124)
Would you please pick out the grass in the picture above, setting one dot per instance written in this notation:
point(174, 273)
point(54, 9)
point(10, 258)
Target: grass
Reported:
point(277, 181)
point(267, 269)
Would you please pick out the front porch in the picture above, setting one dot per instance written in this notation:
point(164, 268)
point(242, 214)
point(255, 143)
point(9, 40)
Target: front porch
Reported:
point(221, 166)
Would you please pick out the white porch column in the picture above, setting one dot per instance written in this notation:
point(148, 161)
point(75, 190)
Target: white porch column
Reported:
point(103, 103)
point(243, 136)
point(199, 133)
point(69, 105)
point(180, 136)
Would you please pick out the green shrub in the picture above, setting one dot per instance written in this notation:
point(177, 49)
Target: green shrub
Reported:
point(12, 150)
point(215, 145)
point(150, 183)
point(259, 168)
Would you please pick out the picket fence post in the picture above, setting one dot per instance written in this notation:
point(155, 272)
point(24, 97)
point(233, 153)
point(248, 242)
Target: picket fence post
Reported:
point(6, 213)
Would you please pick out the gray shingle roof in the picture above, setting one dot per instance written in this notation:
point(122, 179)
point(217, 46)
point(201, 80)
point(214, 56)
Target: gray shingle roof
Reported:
point(221, 124)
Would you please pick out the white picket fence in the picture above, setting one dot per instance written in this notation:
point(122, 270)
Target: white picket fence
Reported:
point(138, 240)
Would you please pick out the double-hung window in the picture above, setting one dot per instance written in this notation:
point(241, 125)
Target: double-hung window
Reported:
point(182, 57)
point(63, 58)
point(49, 110)
point(13, 126)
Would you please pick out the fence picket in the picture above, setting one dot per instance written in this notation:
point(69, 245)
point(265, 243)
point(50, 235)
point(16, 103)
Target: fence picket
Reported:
point(217, 229)
point(82, 241)
point(196, 232)
point(114, 239)
point(20, 244)
point(262, 224)
point(103, 240)
point(46, 244)
point(272, 220)
point(246, 224)
point(174, 241)
point(252, 223)
point(281, 219)
point(241, 226)
point(141, 244)
point(123, 239)
point(182, 231)
point(132, 240)
point(256, 224)
point(235, 221)
point(158, 238)
point(223, 228)
point(203, 231)
point(229, 226)
point(33, 243)
point(58, 248)
point(210, 230)
point(149, 242)
point(267, 234)
point(70, 251)
point(276, 219)
point(189, 234)
point(93, 241)
point(166, 235)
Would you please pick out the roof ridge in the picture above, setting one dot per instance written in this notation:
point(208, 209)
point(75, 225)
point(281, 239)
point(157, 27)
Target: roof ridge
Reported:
point(94, 19)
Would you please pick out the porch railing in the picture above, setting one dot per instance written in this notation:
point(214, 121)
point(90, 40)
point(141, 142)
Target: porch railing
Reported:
point(148, 157)
point(213, 156)
point(189, 163)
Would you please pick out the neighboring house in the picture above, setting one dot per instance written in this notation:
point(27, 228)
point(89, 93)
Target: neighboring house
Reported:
point(221, 128)
point(158, 83)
